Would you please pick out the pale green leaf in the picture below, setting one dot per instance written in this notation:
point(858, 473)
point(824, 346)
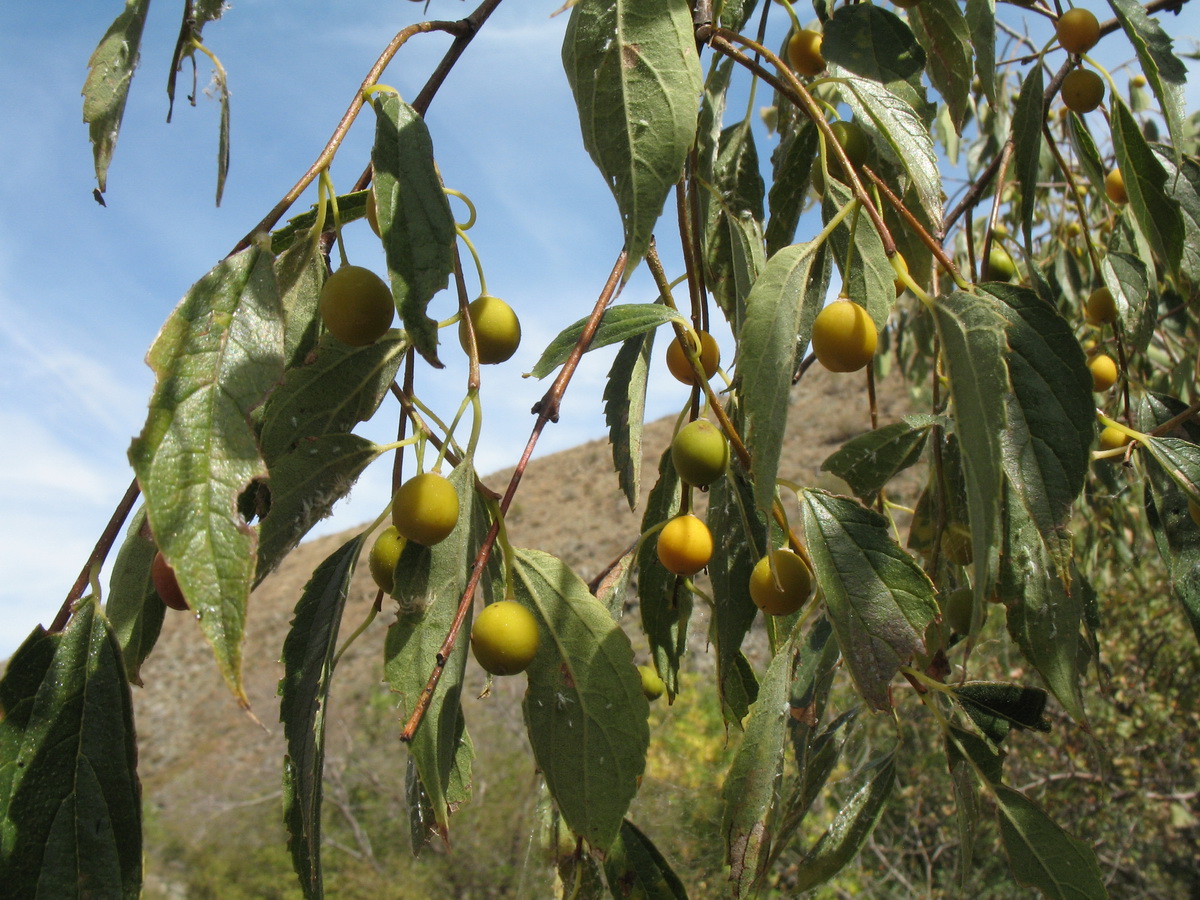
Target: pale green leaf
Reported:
point(942, 29)
point(1027, 121)
point(619, 324)
point(134, 608)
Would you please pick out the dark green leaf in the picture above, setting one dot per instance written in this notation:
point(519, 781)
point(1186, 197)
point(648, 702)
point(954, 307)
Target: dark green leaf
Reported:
point(414, 217)
point(942, 29)
point(664, 602)
point(584, 707)
point(1028, 117)
point(635, 867)
point(300, 270)
point(733, 204)
point(134, 608)
point(635, 74)
point(215, 360)
point(70, 803)
point(106, 89)
point(1125, 276)
point(985, 761)
point(620, 323)
point(304, 694)
point(1183, 185)
point(867, 276)
point(625, 411)
point(1085, 150)
point(994, 707)
point(793, 163)
point(981, 20)
point(1180, 459)
point(876, 43)
point(868, 462)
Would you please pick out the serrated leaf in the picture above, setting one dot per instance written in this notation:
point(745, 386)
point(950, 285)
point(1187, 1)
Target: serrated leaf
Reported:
point(879, 600)
point(1041, 854)
point(429, 582)
point(942, 29)
point(633, 866)
point(1165, 73)
point(635, 75)
point(851, 827)
point(779, 314)
point(868, 462)
point(308, 654)
point(664, 603)
point(134, 608)
point(1158, 214)
point(584, 707)
point(1126, 277)
point(1183, 183)
point(110, 70)
point(751, 788)
point(215, 360)
point(971, 328)
point(340, 388)
point(625, 411)
point(620, 323)
point(414, 218)
point(300, 271)
point(305, 484)
point(995, 707)
point(898, 132)
point(733, 209)
point(1028, 118)
point(1085, 150)
point(981, 20)
point(70, 802)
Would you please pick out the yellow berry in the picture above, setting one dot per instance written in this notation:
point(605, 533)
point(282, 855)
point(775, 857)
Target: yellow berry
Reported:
point(1112, 437)
point(1114, 187)
point(1078, 30)
point(710, 358)
point(385, 553)
point(652, 686)
point(504, 638)
point(1104, 372)
point(685, 545)
point(497, 329)
point(780, 583)
point(425, 508)
point(844, 337)
point(356, 306)
point(700, 453)
point(804, 52)
point(1082, 90)
point(1101, 307)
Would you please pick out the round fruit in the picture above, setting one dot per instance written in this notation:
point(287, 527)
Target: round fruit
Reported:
point(356, 306)
point(843, 336)
point(1104, 372)
point(652, 685)
point(497, 329)
point(700, 453)
point(784, 591)
point(373, 214)
point(385, 553)
point(505, 638)
point(1078, 30)
point(854, 141)
point(1114, 187)
point(900, 264)
point(804, 52)
point(1101, 307)
point(685, 545)
point(1082, 90)
point(165, 583)
point(425, 508)
point(1137, 81)
point(1112, 437)
point(1000, 265)
point(710, 358)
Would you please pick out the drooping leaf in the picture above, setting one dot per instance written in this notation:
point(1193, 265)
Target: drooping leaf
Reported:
point(1041, 854)
point(751, 788)
point(981, 20)
point(852, 826)
point(635, 74)
point(635, 867)
point(620, 323)
point(308, 654)
point(1126, 277)
point(1183, 185)
point(134, 608)
point(1180, 459)
point(215, 360)
point(779, 314)
point(879, 600)
point(1027, 120)
point(942, 29)
point(300, 271)
point(868, 462)
point(584, 708)
point(995, 707)
point(110, 70)
point(664, 602)
point(792, 163)
point(1086, 151)
point(414, 218)
point(70, 802)
point(429, 583)
point(731, 205)
point(625, 411)
point(875, 43)
point(867, 276)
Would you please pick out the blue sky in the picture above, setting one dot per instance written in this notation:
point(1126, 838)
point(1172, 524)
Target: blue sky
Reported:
point(84, 289)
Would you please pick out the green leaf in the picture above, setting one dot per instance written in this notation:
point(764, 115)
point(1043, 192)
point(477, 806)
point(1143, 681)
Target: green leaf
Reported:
point(968, 810)
point(625, 411)
point(70, 802)
point(339, 389)
point(875, 43)
point(898, 132)
point(851, 827)
point(308, 654)
point(664, 602)
point(981, 20)
point(414, 218)
point(879, 600)
point(792, 162)
point(1183, 184)
point(1125, 276)
point(134, 608)
point(635, 74)
point(868, 462)
point(635, 867)
point(1158, 214)
point(985, 760)
point(300, 271)
point(619, 323)
point(110, 70)
point(995, 707)
point(733, 204)
point(779, 314)
point(216, 358)
point(972, 332)
point(942, 29)
point(867, 275)
point(1041, 854)
point(430, 582)
point(1180, 459)
point(1027, 121)
point(584, 707)
point(1165, 72)
point(1085, 150)
point(751, 788)
point(351, 208)
point(305, 484)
